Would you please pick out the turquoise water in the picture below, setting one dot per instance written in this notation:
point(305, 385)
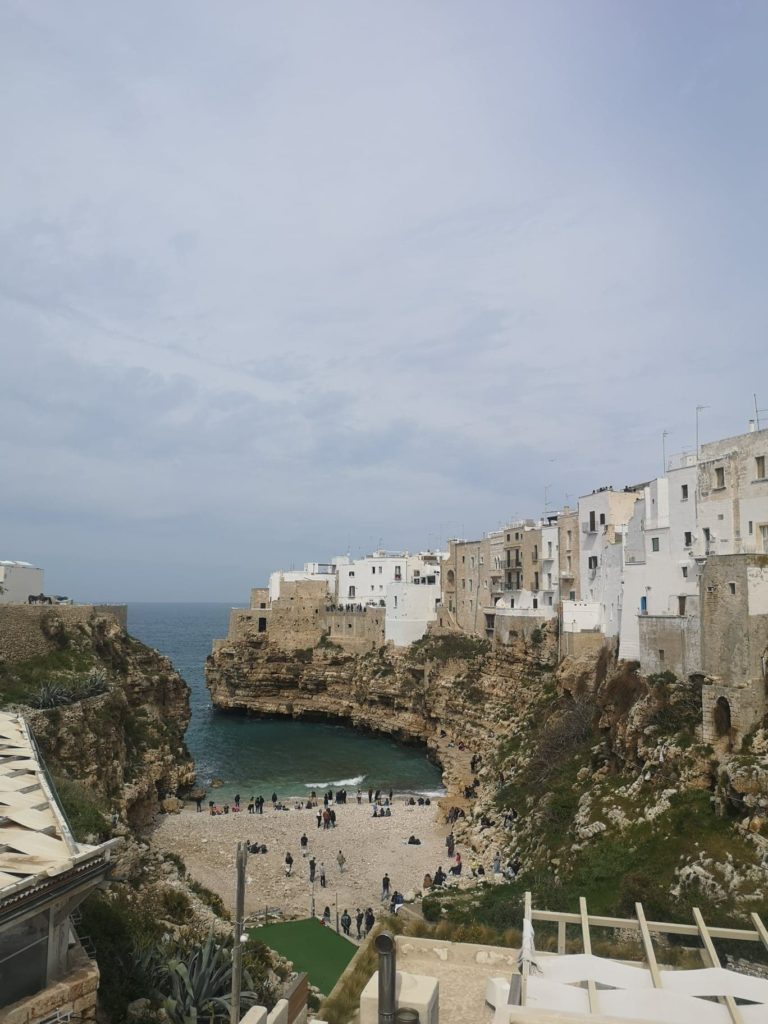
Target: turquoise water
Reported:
point(254, 756)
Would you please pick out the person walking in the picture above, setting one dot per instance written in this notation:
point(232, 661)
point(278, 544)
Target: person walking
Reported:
point(385, 887)
point(359, 918)
point(288, 864)
point(322, 874)
point(303, 842)
point(370, 920)
point(341, 860)
point(346, 921)
point(312, 866)
point(319, 817)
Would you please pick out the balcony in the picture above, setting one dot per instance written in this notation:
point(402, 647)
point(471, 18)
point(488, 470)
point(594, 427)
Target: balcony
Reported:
point(567, 574)
point(589, 527)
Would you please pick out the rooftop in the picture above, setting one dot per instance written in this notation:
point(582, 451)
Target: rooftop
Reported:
point(35, 840)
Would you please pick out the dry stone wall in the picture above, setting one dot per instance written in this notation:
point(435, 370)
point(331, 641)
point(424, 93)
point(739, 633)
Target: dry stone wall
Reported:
point(25, 628)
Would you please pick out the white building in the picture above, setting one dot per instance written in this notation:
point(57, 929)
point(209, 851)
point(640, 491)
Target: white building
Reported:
point(603, 517)
point(365, 580)
point(661, 576)
point(18, 581)
point(412, 604)
point(325, 571)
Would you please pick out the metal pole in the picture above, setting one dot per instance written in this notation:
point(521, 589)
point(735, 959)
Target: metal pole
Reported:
point(241, 859)
point(385, 947)
point(664, 452)
point(337, 913)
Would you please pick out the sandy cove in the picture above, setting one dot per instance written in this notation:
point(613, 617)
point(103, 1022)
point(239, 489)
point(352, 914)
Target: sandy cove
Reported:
point(372, 846)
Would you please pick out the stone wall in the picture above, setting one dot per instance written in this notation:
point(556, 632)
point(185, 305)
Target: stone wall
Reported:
point(75, 994)
point(357, 631)
point(678, 636)
point(24, 627)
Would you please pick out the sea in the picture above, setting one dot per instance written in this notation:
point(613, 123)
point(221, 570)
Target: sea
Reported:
point(270, 755)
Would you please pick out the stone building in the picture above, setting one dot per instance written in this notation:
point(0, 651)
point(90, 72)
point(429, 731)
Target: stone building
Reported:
point(44, 876)
point(734, 645)
point(568, 554)
point(472, 582)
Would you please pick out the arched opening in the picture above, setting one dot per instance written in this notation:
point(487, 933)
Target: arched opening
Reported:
point(451, 577)
point(722, 717)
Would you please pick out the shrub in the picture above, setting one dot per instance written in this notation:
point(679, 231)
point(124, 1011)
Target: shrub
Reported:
point(175, 906)
point(210, 899)
point(83, 810)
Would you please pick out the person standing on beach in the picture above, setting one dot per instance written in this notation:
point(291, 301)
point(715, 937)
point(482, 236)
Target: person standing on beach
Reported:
point(303, 843)
point(319, 817)
point(385, 887)
point(288, 864)
point(199, 802)
point(237, 801)
point(341, 860)
point(359, 797)
point(370, 796)
point(261, 804)
point(359, 918)
point(311, 869)
point(450, 844)
point(322, 875)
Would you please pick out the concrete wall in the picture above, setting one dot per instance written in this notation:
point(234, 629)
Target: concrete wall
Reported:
point(22, 626)
point(507, 624)
point(568, 549)
point(18, 581)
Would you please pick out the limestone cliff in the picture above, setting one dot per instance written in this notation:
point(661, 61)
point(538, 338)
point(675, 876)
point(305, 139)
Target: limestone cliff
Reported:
point(592, 778)
point(107, 711)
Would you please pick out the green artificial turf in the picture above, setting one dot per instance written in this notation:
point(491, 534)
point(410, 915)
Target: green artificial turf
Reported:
point(313, 948)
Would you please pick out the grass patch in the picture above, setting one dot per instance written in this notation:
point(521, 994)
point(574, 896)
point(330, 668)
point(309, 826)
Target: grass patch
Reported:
point(83, 810)
point(22, 680)
point(446, 648)
point(313, 948)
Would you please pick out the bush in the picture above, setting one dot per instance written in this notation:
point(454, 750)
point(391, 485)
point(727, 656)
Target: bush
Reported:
point(175, 906)
point(210, 899)
point(83, 810)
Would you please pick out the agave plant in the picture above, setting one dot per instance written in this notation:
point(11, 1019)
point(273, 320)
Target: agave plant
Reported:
point(94, 683)
point(51, 695)
point(201, 983)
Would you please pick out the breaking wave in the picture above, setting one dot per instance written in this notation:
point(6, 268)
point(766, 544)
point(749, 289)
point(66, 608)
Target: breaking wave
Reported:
point(336, 782)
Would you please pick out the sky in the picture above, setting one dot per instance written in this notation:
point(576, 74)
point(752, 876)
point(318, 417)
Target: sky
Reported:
point(285, 281)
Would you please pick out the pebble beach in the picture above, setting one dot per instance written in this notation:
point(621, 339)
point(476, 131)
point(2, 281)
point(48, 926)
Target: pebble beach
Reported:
point(371, 846)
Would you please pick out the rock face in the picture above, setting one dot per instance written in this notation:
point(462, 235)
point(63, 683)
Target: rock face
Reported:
point(125, 744)
point(576, 759)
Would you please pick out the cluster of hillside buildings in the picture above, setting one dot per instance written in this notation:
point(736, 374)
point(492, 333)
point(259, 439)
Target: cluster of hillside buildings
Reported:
point(674, 570)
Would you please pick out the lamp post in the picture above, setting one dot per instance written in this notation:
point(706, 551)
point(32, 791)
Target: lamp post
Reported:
point(241, 859)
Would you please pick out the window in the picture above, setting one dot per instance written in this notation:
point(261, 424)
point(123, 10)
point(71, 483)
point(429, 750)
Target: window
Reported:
point(535, 552)
point(395, 602)
point(472, 561)
point(593, 561)
point(764, 537)
point(351, 592)
point(661, 657)
point(372, 588)
point(549, 549)
point(535, 581)
point(470, 584)
point(732, 587)
point(508, 537)
point(688, 538)
point(549, 581)
point(262, 625)
point(602, 518)
point(654, 543)
point(719, 477)
point(463, 583)
point(684, 571)
point(760, 467)
point(463, 559)
point(398, 573)
point(352, 572)
point(684, 492)
point(707, 535)
point(592, 524)
point(568, 562)
point(482, 560)
point(681, 605)
point(571, 595)
point(535, 602)
point(751, 527)
point(373, 569)
point(568, 539)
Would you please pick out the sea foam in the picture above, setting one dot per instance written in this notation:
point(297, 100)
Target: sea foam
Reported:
point(337, 782)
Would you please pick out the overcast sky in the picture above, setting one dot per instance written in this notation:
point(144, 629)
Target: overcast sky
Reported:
point(285, 280)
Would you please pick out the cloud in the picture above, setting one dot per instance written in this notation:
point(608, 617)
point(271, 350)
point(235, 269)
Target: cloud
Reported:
point(280, 282)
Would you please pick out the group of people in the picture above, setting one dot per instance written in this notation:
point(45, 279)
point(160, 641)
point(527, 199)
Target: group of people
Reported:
point(364, 921)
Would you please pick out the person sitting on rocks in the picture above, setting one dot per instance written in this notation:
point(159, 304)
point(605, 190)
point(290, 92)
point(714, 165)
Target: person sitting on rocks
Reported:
point(426, 885)
point(439, 879)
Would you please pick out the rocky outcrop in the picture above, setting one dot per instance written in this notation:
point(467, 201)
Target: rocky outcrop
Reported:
point(126, 743)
